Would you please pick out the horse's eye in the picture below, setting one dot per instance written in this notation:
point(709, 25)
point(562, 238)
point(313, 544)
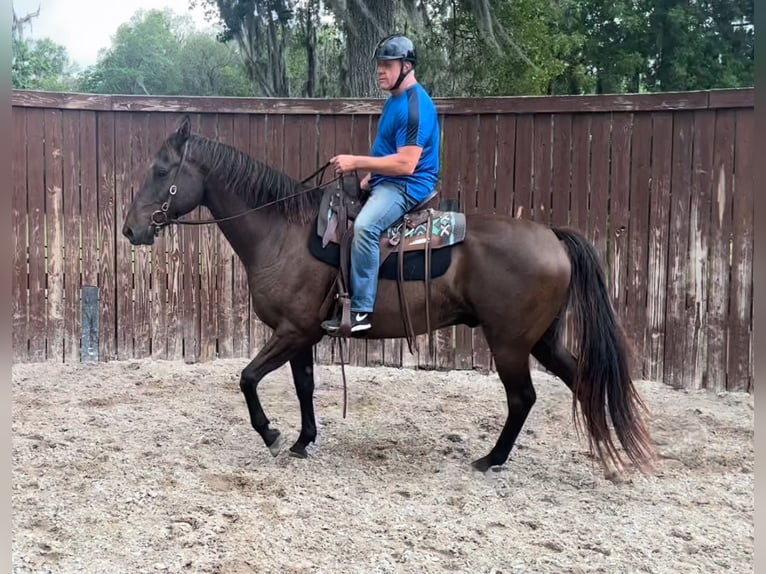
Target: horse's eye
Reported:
point(161, 172)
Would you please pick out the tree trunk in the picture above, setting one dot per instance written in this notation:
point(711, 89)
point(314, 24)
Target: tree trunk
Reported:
point(366, 22)
point(312, 11)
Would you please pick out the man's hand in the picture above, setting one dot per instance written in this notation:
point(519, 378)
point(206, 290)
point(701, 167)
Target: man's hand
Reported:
point(343, 163)
point(365, 183)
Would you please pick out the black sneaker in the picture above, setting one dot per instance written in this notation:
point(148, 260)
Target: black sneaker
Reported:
point(360, 322)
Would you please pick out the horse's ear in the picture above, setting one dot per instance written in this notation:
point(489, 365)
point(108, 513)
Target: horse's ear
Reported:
point(182, 134)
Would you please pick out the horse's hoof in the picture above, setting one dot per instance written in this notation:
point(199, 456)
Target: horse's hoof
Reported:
point(276, 445)
point(298, 451)
point(482, 465)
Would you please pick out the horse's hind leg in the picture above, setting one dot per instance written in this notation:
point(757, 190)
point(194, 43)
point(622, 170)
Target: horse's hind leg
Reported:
point(555, 357)
point(552, 354)
point(520, 395)
point(302, 366)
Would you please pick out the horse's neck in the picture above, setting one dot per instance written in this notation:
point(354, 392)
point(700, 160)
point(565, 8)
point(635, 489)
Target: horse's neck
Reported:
point(254, 237)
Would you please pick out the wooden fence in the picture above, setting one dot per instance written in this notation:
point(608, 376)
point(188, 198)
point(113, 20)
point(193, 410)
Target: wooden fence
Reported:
point(662, 184)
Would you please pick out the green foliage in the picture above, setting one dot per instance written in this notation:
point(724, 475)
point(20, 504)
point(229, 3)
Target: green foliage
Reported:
point(210, 68)
point(668, 45)
point(466, 48)
point(158, 53)
point(40, 65)
point(143, 58)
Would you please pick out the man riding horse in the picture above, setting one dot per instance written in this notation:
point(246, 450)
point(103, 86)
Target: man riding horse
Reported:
point(403, 169)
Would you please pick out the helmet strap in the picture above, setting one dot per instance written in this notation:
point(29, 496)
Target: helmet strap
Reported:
point(402, 75)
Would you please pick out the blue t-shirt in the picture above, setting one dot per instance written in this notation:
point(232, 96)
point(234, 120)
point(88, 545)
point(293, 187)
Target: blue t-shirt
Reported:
point(410, 118)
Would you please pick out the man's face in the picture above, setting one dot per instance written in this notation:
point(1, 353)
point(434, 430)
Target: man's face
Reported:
point(388, 72)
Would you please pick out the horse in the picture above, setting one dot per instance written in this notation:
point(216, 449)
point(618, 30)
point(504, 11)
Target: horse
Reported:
point(513, 278)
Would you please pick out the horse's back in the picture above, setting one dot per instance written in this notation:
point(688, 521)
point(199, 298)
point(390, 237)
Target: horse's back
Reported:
point(515, 268)
point(521, 243)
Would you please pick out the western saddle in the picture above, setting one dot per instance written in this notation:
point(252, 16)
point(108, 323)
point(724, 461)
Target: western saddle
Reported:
point(421, 229)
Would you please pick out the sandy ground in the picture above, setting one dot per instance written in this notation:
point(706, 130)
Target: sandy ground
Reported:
point(153, 467)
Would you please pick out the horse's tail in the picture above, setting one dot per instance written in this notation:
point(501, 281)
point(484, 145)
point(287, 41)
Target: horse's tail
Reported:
point(603, 383)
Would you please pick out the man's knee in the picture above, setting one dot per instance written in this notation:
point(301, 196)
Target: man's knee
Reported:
point(364, 228)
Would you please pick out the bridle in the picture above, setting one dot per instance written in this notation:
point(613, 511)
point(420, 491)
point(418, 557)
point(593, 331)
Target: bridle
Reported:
point(163, 211)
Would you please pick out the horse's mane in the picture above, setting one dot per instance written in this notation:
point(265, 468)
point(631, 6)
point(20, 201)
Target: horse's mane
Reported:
point(255, 182)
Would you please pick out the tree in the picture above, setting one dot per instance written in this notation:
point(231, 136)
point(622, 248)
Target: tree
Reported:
point(143, 58)
point(19, 22)
point(363, 23)
point(40, 65)
point(262, 30)
point(210, 68)
point(695, 46)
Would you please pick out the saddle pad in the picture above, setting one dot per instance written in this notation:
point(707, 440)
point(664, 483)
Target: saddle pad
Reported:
point(414, 261)
point(447, 228)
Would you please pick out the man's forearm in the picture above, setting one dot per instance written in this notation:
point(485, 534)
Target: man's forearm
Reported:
point(394, 164)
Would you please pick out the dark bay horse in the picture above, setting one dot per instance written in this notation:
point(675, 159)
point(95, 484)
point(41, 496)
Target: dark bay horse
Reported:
point(513, 278)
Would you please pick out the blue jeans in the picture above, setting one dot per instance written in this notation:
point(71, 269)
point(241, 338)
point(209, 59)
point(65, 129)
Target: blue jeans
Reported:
point(387, 204)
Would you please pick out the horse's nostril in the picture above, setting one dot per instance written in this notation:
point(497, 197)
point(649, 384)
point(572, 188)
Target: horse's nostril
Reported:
point(127, 231)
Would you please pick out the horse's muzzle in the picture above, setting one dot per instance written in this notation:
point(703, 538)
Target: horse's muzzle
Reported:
point(143, 236)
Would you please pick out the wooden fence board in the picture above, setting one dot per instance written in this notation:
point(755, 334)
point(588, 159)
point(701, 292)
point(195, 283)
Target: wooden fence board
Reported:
point(123, 127)
point(561, 170)
point(20, 280)
point(54, 207)
point(658, 235)
point(638, 236)
point(107, 236)
point(579, 194)
point(601, 127)
point(742, 97)
point(678, 249)
point(543, 168)
point(739, 371)
point(89, 197)
point(36, 209)
point(695, 352)
point(523, 175)
point(617, 238)
point(720, 249)
point(506, 164)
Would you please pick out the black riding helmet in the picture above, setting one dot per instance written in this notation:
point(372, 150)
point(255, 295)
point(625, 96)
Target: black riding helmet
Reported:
point(397, 47)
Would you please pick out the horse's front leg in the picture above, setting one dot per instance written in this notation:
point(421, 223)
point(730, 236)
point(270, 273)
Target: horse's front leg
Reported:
point(302, 366)
point(283, 346)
